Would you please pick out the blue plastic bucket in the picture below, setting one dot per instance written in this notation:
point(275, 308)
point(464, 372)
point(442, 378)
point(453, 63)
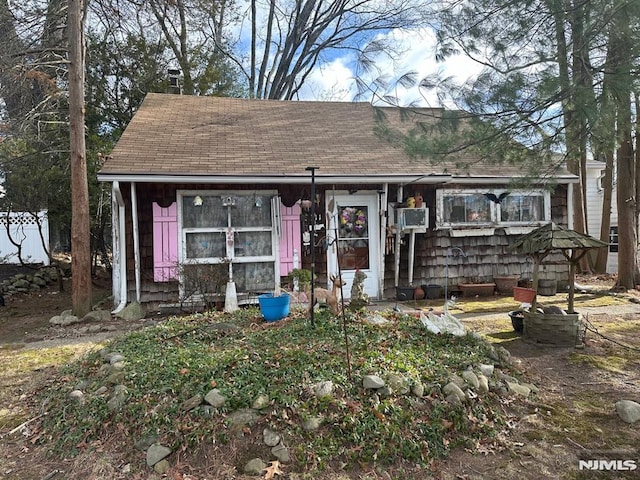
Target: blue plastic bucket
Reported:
point(274, 307)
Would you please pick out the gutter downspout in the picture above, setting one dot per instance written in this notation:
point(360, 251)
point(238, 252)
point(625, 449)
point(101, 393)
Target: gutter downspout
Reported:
point(570, 206)
point(136, 238)
point(120, 246)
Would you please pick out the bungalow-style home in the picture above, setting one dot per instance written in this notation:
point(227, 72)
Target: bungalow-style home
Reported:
point(206, 188)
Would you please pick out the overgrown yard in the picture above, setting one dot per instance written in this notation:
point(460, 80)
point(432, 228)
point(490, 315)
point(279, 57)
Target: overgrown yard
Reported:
point(273, 378)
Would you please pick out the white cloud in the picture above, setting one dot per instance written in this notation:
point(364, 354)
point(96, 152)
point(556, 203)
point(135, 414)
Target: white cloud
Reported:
point(335, 80)
point(332, 81)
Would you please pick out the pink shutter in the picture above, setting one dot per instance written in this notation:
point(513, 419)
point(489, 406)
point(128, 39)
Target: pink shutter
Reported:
point(290, 238)
point(165, 243)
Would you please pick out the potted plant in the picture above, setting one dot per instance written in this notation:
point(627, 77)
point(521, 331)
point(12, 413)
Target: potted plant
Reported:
point(477, 288)
point(301, 278)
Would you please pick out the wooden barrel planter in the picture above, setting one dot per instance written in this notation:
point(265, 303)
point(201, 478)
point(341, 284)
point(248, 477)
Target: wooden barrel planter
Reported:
point(547, 288)
point(560, 330)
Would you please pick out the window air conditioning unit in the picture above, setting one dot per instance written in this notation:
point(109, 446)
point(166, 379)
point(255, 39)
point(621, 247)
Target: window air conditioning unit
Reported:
point(409, 219)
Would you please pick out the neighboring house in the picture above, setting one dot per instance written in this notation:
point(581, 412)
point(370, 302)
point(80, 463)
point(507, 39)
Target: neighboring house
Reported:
point(222, 181)
point(595, 193)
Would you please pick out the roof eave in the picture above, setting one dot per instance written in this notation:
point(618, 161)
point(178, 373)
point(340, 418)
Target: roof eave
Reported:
point(274, 179)
point(326, 179)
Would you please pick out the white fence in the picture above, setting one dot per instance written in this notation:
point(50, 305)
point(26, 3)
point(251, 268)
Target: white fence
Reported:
point(23, 228)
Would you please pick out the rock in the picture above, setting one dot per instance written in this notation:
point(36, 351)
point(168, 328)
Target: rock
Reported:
point(133, 311)
point(483, 383)
point(81, 385)
point(260, 402)
point(452, 389)
point(115, 377)
point(191, 403)
point(145, 442)
point(418, 390)
point(115, 358)
point(281, 453)
point(100, 316)
point(628, 411)
point(372, 382)
point(77, 396)
point(117, 400)
point(240, 418)
point(398, 384)
point(323, 389)
point(21, 283)
point(384, 392)
point(64, 319)
point(255, 467)
point(519, 389)
point(504, 357)
point(486, 370)
point(506, 378)
point(206, 411)
point(102, 390)
point(312, 423)
point(215, 398)
point(376, 319)
point(471, 379)
point(458, 380)
point(157, 452)
point(270, 437)
point(161, 467)
point(118, 366)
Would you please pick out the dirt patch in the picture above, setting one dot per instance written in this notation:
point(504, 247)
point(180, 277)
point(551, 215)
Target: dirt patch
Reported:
point(572, 417)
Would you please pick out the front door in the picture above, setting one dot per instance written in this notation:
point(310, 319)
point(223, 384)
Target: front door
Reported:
point(354, 238)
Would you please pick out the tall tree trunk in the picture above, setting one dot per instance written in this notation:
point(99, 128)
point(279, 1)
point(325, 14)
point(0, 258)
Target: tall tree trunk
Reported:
point(252, 73)
point(570, 118)
point(80, 232)
point(602, 257)
point(604, 137)
point(626, 189)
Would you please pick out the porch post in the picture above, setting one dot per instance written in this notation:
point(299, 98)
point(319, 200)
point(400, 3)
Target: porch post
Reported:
point(313, 241)
point(384, 194)
point(136, 238)
point(398, 238)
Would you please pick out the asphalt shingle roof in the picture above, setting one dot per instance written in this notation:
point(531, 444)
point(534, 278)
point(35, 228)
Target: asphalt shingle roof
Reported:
point(179, 135)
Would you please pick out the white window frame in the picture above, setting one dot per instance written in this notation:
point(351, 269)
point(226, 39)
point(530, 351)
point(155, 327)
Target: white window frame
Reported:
point(229, 249)
point(495, 208)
